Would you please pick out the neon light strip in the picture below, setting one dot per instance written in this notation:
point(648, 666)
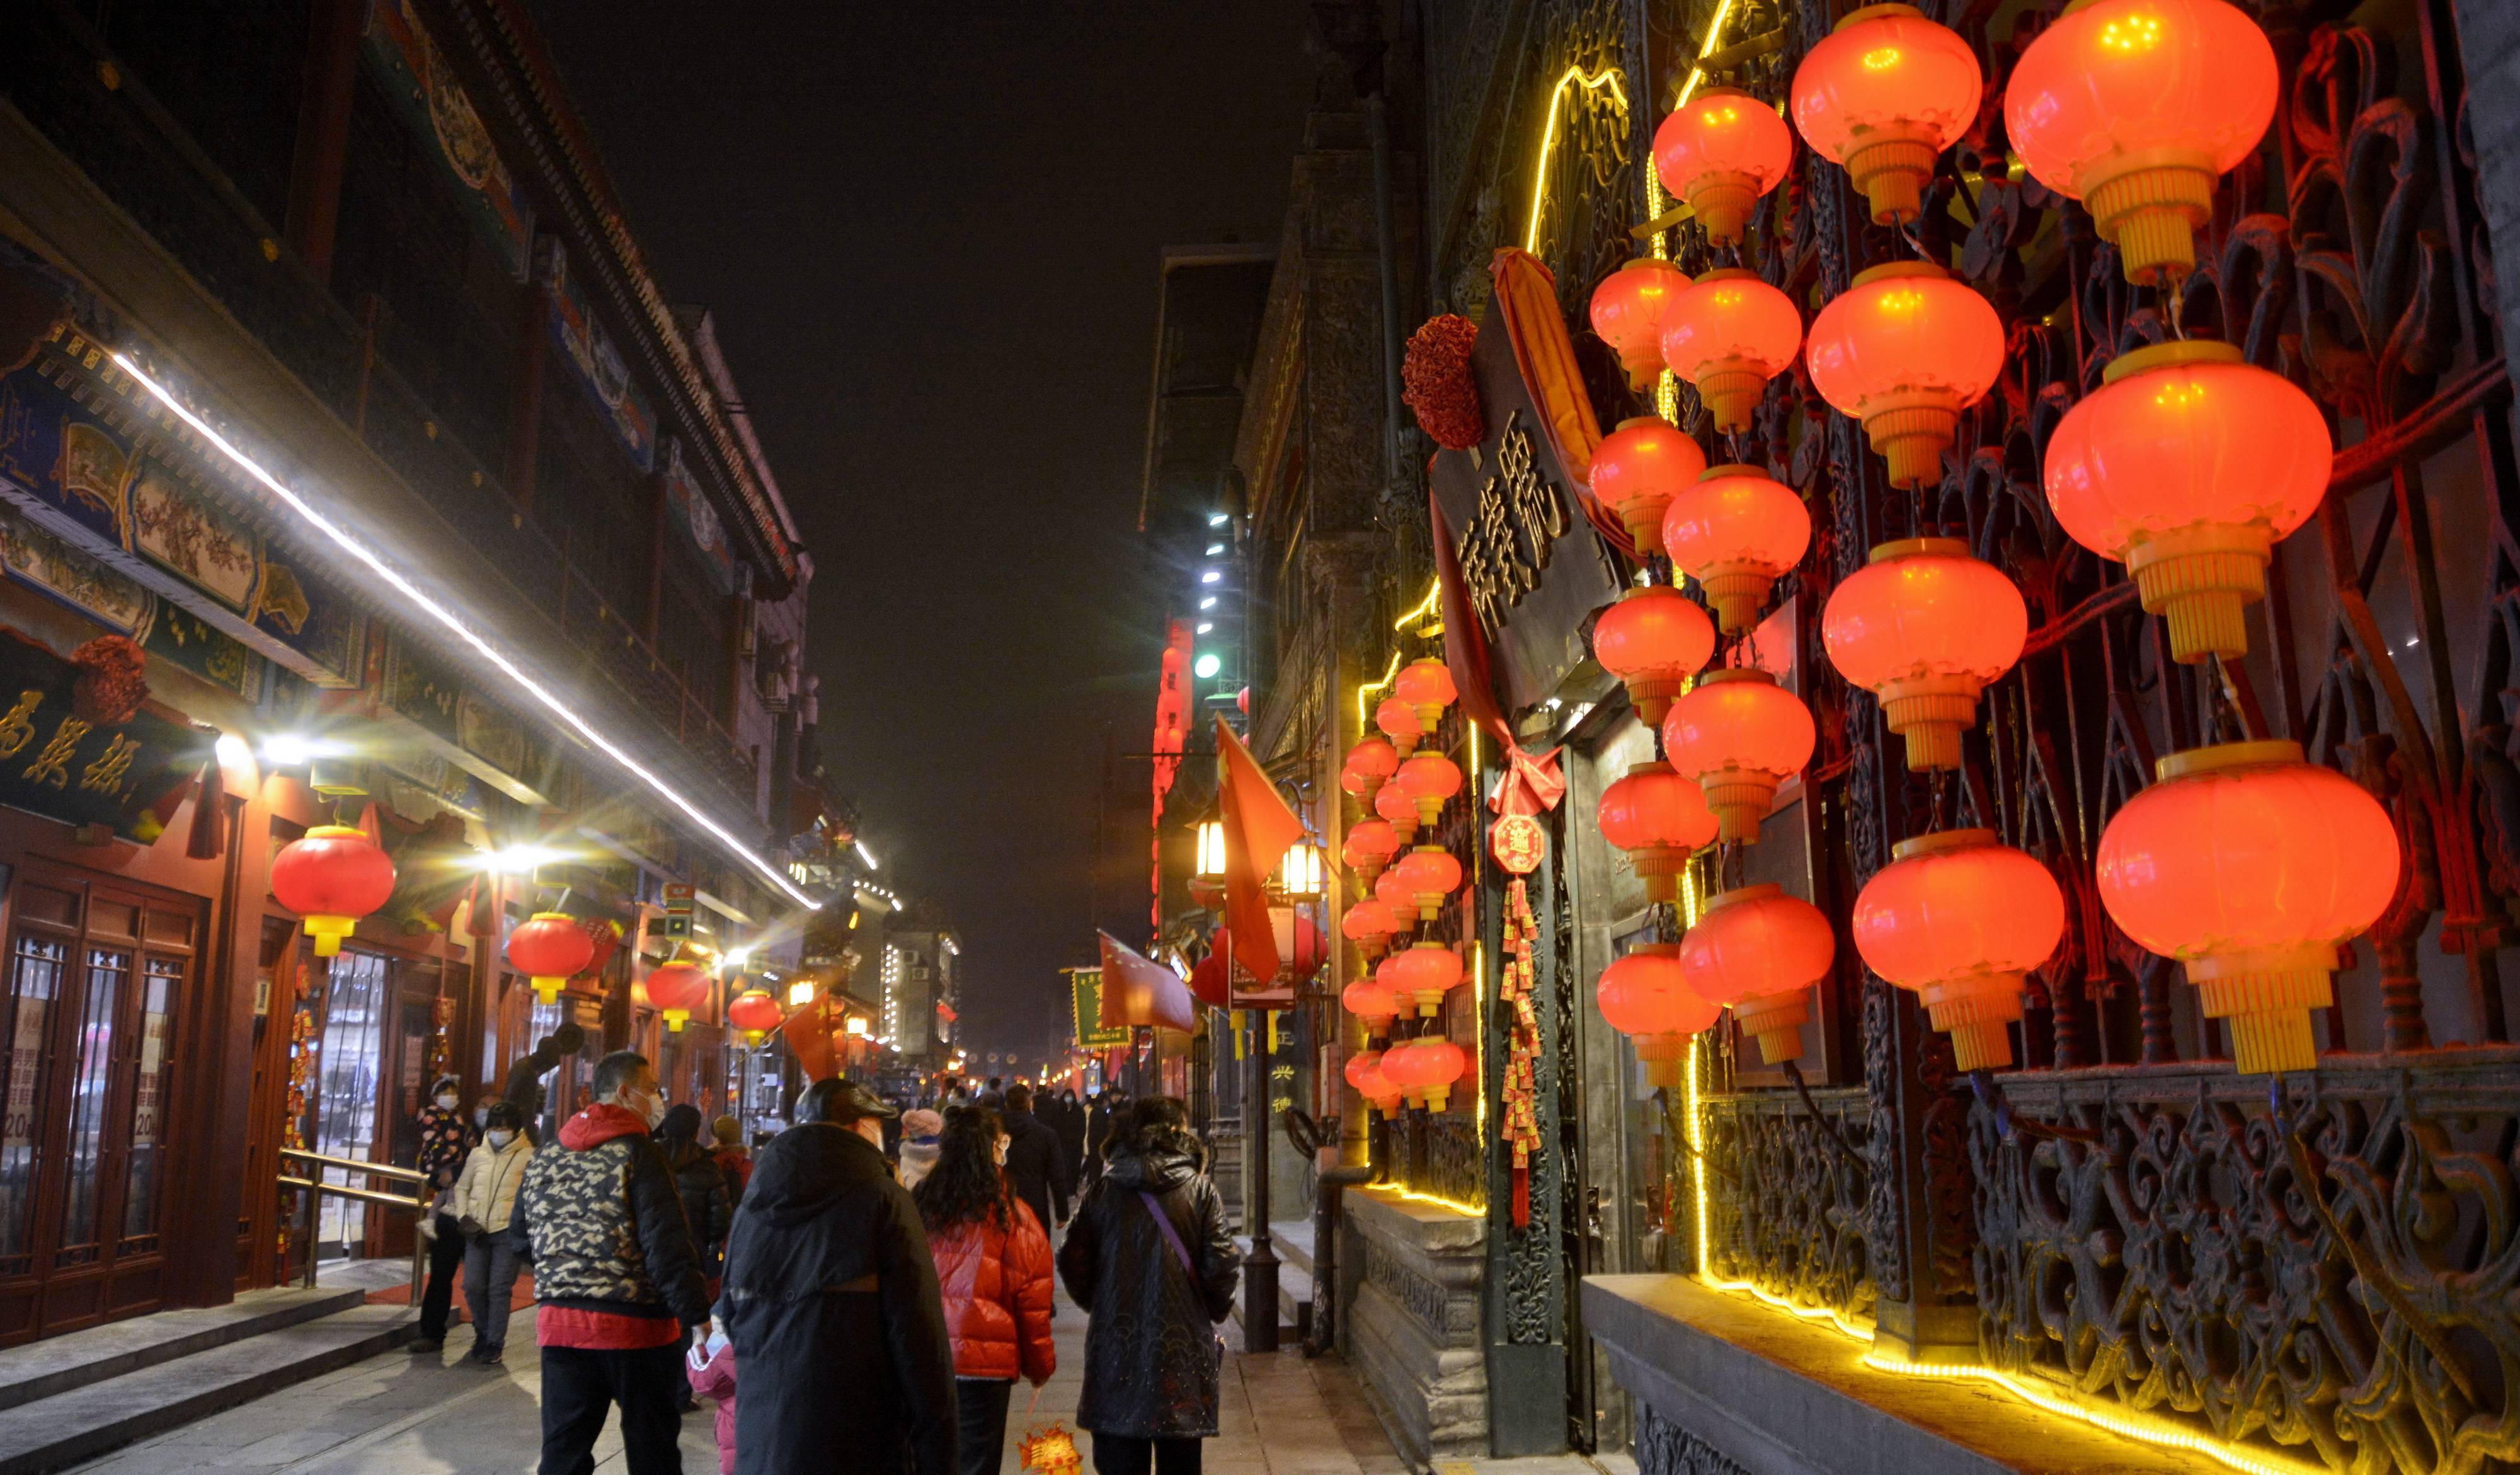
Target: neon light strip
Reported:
point(1364, 727)
point(1697, 73)
point(411, 591)
point(1608, 76)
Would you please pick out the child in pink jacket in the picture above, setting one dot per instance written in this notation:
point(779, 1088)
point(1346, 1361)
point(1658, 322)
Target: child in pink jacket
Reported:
point(711, 1363)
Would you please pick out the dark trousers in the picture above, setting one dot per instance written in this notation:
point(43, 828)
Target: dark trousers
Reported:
point(982, 1402)
point(445, 1263)
point(1119, 1454)
point(581, 1385)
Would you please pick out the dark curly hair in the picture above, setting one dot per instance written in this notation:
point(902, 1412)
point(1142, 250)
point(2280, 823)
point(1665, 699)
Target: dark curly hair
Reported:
point(966, 1187)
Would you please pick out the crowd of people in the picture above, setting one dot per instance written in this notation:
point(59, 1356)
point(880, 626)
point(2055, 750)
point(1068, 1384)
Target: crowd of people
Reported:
point(863, 1292)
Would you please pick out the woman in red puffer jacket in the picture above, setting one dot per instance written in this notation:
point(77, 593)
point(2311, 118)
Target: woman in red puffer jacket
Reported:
point(993, 1264)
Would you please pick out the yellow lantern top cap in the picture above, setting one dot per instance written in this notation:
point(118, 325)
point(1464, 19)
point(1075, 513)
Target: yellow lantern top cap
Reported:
point(1633, 420)
point(2222, 755)
point(552, 917)
point(1940, 842)
point(1721, 900)
point(2170, 355)
point(1737, 673)
point(1735, 469)
point(1655, 766)
point(1730, 273)
point(1891, 271)
point(335, 832)
point(1918, 548)
point(1879, 13)
point(1656, 948)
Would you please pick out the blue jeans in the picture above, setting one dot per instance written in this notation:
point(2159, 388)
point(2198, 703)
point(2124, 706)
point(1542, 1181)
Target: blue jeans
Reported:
point(489, 1284)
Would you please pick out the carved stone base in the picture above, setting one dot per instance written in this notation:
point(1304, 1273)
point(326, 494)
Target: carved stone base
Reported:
point(1412, 1329)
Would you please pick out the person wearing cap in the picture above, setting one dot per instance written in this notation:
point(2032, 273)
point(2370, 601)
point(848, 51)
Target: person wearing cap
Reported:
point(831, 1302)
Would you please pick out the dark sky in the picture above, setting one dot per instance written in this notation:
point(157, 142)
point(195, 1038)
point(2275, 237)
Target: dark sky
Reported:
point(930, 236)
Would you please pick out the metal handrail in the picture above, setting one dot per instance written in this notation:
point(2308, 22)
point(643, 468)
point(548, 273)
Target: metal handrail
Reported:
point(354, 1165)
point(316, 1187)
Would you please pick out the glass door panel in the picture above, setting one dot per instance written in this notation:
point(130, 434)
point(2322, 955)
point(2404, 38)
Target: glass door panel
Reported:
point(351, 1064)
point(91, 1087)
point(35, 968)
point(161, 983)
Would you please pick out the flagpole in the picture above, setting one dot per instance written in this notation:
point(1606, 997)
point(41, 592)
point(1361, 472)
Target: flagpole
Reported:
point(1260, 1262)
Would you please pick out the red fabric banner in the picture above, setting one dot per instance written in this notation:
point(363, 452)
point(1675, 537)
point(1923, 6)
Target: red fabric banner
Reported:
point(1139, 991)
point(1258, 828)
point(1527, 295)
point(1532, 784)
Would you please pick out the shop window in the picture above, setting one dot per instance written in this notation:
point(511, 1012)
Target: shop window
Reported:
point(35, 968)
point(351, 1062)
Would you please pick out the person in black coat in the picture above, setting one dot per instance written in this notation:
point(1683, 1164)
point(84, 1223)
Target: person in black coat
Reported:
point(831, 1301)
point(1069, 1123)
point(524, 1085)
point(1034, 1166)
point(1150, 1365)
point(709, 1200)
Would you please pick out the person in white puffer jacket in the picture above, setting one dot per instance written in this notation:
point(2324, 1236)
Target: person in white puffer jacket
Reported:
point(483, 1203)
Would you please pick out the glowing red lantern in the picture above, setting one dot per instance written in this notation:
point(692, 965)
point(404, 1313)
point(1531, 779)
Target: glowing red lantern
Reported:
point(1429, 780)
point(676, 989)
point(2136, 108)
point(1369, 924)
point(1660, 819)
point(1364, 1072)
point(1637, 468)
point(1208, 983)
point(1729, 334)
point(1735, 533)
point(2187, 465)
point(1431, 875)
point(1369, 847)
point(1925, 627)
point(2251, 868)
point(1425, 1069)
point(1372, 760)
point(1398, 720)
point(1760, 951)
point(1904, 350)
point(1398, 810)
point(1424, 973)
point(1645, 997)
point(1653, 640)
point(1738, 736)
point(1427, 685)
point(1391, 888)
point(550, 948)
point(1719, 151)
point(1885, 94)
point(1959, 919)
point(1627, 313)
point(1368, 1001)
point(331, 877)
point(755, 1013)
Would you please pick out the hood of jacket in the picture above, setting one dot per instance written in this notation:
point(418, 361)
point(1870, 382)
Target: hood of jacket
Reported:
point(1154, 1170)
point(682, 1153)
point(807, 1169)
point(599, 1124)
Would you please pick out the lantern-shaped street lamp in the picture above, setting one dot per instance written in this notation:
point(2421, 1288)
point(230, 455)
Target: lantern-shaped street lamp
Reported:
point(1738, 736)
point(1397, 810)
point(1424, 973)
point(1760, 951)
point(1637, 468)
point(1728, 336)
point(1904, 351)
point(2136, 108)
point(1737, 532)
point(2251, 868)
point(1645, 997)
point(1653, 640)
point(1299, 873)
point(1431, 875)
point(1926, 626)
point(331, 876)
point(755, 1013)
point(1660, 819)
point(1369, 924)
point(1369, 847)
point(1430, 781)
point(1398, 720)
point(1301, 949)
point(1627, 313)
point(1885, 94)
point(1372, 760)
point(1210, 863)
point(1427, 685)
point(1719, 151)
point(2188, 465)
point(676, 989)
point(1959, 919)
point(550, 948)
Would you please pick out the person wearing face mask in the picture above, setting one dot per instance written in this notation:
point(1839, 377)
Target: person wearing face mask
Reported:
point(444, 1139)
point(831, 1305)
point(617, 1277)
point(486, 1201)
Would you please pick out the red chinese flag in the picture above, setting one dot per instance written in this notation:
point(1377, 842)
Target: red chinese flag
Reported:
point(1258, 828)
point(1138, 990)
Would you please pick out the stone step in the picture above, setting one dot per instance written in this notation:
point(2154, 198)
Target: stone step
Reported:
point(83, 1421)
point(58, 1364)
point(1294, 1285)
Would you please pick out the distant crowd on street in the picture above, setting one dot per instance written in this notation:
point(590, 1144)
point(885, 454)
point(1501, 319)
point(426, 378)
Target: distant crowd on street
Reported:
point(861, 1292)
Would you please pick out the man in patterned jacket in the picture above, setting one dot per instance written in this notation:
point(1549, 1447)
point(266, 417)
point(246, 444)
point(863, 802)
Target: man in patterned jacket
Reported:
point(615, 1275)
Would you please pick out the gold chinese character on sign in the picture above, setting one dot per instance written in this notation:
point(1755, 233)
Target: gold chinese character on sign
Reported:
point(18, 727)
point(53, 765)
point(1515, 526)
point(104, 774)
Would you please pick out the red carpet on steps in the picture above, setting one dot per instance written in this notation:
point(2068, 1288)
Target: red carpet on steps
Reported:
point(400, 1295)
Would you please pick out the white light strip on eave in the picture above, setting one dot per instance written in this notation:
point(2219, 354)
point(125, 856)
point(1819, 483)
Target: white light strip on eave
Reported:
point(550, 700)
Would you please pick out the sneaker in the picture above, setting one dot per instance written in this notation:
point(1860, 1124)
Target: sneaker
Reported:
point(490, 1359)
point(426, 1345)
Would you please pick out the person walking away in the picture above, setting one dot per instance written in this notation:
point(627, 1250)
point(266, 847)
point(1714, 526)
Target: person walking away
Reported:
point(1108, 1109)
point(1034, 1168)
point(444, 1139)
point(920, 1130)
point(617, 1277)
point(486, 1202)
point(731, 1158)
point(707, 1207)
point(1149, 1260)
point(993, 1266)
point(711, 1366)
point(831, 1302)
point(1070, 1124)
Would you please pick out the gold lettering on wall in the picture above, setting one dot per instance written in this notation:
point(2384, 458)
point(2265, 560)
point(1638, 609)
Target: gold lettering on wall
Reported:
point(1518, 519)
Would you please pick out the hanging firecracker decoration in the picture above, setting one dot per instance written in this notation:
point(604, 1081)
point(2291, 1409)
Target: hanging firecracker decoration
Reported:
point(1645, 997)
point(1760, 951)
point(1518, 1092)
point(676, 989)
point(2136, 108)
point(2188, 465)
point(1427, 685)
point(1660, 819)
point(1398, 720)
point(1719, 153)
point(1369, 847)
point(1728, 336)
point(1373, 760)
point(1904, 351)
point(1637, 468)
point(550, 948)
point(1399, 811)
point(331, 877)
point(1959, 919)
point(755, 1013)
point(1737, 532)
point(1368, 1001)
point(1627, 313)
point(1654, 638)
point(1440, 385)
point(1885, 94)
point(1518, 843)
point(1738, 736)
point(1424, 973)
point(2254, 869)
point(1431, 875)
point(1430, 781)
point(1926, 626)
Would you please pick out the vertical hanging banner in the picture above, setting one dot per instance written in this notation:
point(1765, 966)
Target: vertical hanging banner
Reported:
point(1085, 986)
point(1258, 830)
point(1172, 730)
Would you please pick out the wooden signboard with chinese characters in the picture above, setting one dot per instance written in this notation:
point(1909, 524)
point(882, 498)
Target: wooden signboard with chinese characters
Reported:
point(127, 775)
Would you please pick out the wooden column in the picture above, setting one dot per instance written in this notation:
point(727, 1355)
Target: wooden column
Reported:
point(323, 131)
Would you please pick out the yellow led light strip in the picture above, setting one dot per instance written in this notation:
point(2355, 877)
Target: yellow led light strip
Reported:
point(1424, 609)
point(1608, 76)
point(1697, 73)
point(480, 645)
point(1363, 727)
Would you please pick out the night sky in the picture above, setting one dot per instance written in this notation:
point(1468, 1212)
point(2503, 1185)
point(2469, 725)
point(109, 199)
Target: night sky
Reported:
point(929, 236)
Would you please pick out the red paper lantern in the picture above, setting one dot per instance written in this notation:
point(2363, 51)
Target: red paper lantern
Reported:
point(1364, 1072)
point(1729, 334)
point(1369, 847)
point(2187, 465)
point(1398, 720)
point(1424, 973)
point(1637, 468)
point(1391, 888)
point(1645, 997)
point(1431, 875)
point(1738, 736)
point(1959, 919)
point(1425, 1069)
point(1904, 350)
point(1760, 951)
point(755, 1013)
point(1427, 685)
point(1925, 627)
point(1397, 810)
point(550, 948)
point(331, 877)
point(1368, 1001)
point(1210, 982)
point(1627, 313)
point(1719, 151)
point(676, 989)
point(1369, 924)
point(1653, 640)
point(2253, 869)
point(1373, 760)
point(1885, 94)
point(2136, 108)
point(1735, 533)
point(1429, 780)
point(1660, 819)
